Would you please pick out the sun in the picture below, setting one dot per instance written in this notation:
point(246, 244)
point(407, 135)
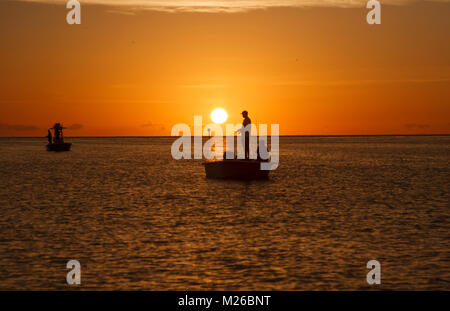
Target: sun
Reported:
point(219, 115)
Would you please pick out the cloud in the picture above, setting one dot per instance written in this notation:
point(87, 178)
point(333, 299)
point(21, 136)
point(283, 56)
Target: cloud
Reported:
point(205, 86)
point(154, 126)
point(149, 124)
point(17, 127)
point(229, 6)
point(356, 82)
point(412, 126)
point(75, 127)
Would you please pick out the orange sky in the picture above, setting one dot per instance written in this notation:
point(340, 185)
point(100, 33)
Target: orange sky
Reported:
point(318, 70)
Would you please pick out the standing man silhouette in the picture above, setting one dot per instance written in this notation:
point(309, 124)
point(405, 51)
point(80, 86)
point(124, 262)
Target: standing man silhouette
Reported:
point(246, 131)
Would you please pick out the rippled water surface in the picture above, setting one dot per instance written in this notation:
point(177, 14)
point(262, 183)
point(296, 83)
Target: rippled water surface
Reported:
point(136, 219)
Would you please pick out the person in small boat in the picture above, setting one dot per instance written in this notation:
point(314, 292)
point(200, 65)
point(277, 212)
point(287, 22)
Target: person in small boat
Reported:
point(49, 137)
point(59, 138)
point(57, 135)
point(246, 131)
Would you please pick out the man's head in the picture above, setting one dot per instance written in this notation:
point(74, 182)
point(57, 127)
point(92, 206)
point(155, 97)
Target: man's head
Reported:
point(245, 113)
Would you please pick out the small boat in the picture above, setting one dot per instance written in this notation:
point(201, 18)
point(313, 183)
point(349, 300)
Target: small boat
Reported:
point(235, 169)
point(56, 141)
point(59, 147)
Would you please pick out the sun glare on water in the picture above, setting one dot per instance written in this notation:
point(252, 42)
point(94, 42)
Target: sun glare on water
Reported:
point(219, 116)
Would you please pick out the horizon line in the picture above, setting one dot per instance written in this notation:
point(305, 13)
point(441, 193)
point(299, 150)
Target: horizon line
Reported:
point(300, 135)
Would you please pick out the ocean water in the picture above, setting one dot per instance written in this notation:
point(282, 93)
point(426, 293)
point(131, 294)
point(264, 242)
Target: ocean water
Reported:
point(137, 219)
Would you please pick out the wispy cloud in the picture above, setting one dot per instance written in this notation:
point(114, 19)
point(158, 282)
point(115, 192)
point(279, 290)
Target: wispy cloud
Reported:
point(17, 127)
point(206, 86)
point(155, 126)
point(229, 6)
point(75, 126)
point(357, 82)
point(412, 126)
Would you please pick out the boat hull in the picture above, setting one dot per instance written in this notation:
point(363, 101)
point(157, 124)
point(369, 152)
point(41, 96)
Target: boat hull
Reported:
point(59, 147)
point(235, 169)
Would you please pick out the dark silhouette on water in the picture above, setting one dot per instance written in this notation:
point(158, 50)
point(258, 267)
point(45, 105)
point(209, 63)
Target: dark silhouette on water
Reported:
point(235, 169)
point(58, 143)
point(241, 169)
point(246, 131)
point(49, 136)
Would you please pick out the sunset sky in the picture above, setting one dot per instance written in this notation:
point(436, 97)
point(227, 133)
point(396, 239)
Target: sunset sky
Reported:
point(138, 67)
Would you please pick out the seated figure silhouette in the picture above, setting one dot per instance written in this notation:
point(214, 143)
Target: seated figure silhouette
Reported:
point(49, 136)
